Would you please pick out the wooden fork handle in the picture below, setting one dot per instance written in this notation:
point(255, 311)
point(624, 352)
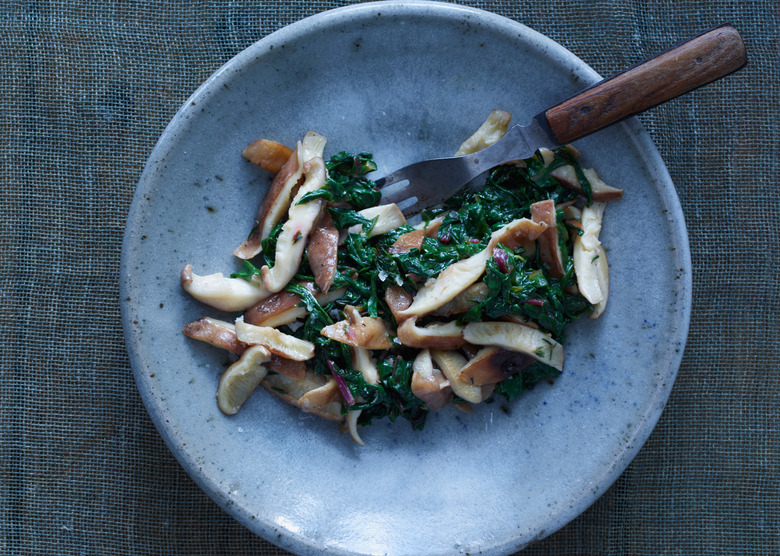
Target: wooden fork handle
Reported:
point(685, 67)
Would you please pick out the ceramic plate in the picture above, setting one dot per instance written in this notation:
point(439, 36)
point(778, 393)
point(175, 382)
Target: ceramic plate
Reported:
point(404, 80)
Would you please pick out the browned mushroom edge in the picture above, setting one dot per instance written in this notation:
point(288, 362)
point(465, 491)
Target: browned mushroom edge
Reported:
point(269, 155)
point(322, 251)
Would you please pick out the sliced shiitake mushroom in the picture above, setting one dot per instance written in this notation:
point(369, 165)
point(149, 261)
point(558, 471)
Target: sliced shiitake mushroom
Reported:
point(241, 378)
point(491, 130)
point(269, 155)
point(358, 331)
point(549, 246)
point(491, 365)
point(430, 227)
point(278, 309)
point(223, 293)
point(277, 342)
point(517, 234)
point(322, 251)
point(414, 239)
point(450, 282)
point(451, 364)
point(363, 362)
point(600, 191)
point(516, 337)
point(288, 367)
point(408, 241)
point(590, 260)
point(443, 336)
point(566, 175)
point(295, 232)
point(276, 202)
point(285, 307)
point(352, 425)
point(322, 399)
point(428, 383)
point(591, 218)
point(386, 218)
point(464, 300)
point(215, 332)
point(397, 299)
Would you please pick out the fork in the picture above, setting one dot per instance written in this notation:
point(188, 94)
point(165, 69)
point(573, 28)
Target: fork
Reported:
point(679, 70)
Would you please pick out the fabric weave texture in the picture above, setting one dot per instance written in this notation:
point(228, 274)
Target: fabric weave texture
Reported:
point(87, 89)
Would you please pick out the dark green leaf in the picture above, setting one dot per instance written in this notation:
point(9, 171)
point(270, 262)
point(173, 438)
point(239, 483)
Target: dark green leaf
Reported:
point(247, 271)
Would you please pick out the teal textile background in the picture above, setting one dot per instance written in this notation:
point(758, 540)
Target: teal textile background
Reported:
point(87, 89)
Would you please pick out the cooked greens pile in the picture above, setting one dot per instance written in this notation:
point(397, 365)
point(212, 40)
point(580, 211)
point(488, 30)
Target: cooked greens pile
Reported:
point(346, 311)
point(519, 284)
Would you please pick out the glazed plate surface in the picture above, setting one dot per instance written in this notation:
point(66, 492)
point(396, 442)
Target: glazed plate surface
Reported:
point(405, 81)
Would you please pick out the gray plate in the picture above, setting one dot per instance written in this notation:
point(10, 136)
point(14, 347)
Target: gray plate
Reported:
point(404, 80)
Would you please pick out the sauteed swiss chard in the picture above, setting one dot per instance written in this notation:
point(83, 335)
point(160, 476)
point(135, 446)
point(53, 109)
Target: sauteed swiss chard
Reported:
point(349, 312)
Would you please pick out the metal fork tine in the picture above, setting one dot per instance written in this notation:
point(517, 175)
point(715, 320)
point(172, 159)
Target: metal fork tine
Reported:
point(430, 182)
point(389, 179)
point(402, 195)
point(395, 196)
point(422, 184)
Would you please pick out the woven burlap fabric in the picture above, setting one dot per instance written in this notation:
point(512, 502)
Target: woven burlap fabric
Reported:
point(85, 92)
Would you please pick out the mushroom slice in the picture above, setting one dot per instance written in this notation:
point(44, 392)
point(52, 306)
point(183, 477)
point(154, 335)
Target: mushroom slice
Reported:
point(292, 239)
point(600, 191)
point(352, 419)
point(591, 218)
point(548, 156)
point(590, 260)
point(487, 391)
point(277, 201)
point(460, 275)
point(516, 337)
point(269, 155)
point(429, 384)
point(573, 216)
point(272, 207)
point(284, 307)
point(549, 247)
point(599, 267)
point(322, 251)
point(215, 332)
point(363, 362)
point(241, 378)
point(277, 342)
point(388, 217)
point(408, 241)
point(414, 239)
point(278, 309)
point(287, 367)
point(450, 282)
point(321, 399)
point(398, 299)
point(282, 318)
point(357, 331)
point(492, 129)
point(293, 390)
point(464, 300)
point(220, 292)
point(567, 176)
point(443, 336)
point(451, 364)
point(518, 233)
point(491, 365)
